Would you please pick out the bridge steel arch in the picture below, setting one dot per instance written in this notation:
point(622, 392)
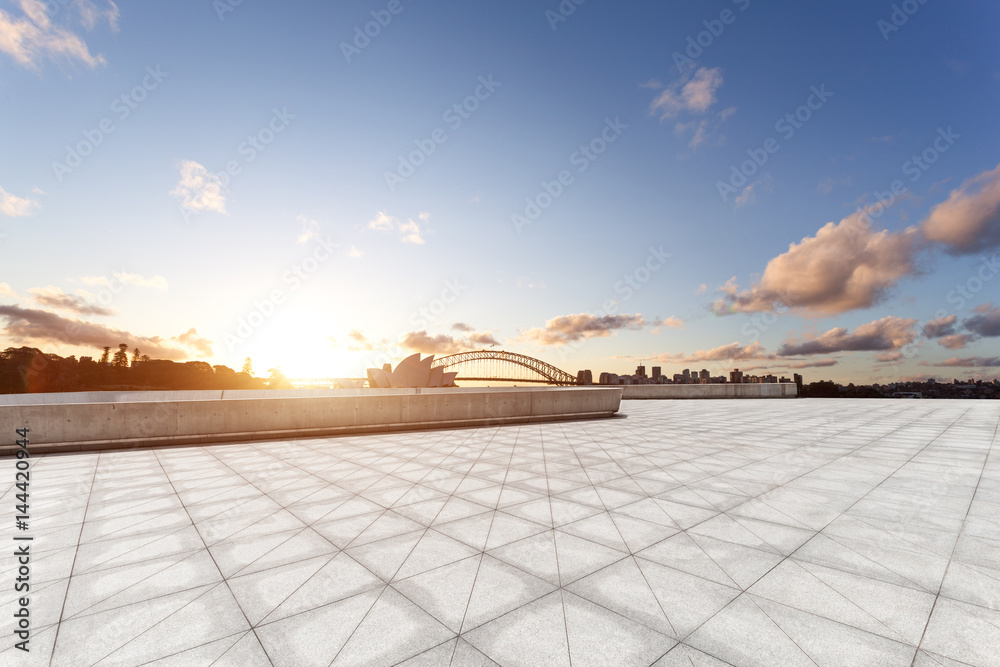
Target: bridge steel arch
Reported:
point(480, 359)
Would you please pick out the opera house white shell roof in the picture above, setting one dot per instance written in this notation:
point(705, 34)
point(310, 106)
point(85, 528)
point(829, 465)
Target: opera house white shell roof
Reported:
point(411, 372)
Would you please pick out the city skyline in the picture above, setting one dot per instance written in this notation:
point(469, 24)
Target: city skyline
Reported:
point(779, 189)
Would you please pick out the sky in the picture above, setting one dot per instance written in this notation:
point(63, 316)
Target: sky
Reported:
point(780, 187)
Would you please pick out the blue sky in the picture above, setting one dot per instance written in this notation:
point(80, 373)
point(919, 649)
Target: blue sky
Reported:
point(242, 192)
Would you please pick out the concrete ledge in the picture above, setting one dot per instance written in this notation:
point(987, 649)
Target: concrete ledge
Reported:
point(176, 418)
point(682, 391)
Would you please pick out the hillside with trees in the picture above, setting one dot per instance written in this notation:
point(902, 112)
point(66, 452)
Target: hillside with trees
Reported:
point(29, 370)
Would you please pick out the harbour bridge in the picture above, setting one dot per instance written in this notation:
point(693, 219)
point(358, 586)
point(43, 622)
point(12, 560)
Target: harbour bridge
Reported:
point(502, 366)
point(476, 366)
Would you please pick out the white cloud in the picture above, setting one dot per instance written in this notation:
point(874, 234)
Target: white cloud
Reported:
point(199, 190)
point(91, 14)
point(7, 290)
point(969, 220)
point(730, 352)
point(689, 93)
point(409, 231)
point(31, 37)
point(570, 328)
point(844, 266)
point(16, 207)
point(381, 222)
point(310, 229)
point(749, 194)
point(154, 282)
point(890, 333)
point(692, 95)
point(355, 252)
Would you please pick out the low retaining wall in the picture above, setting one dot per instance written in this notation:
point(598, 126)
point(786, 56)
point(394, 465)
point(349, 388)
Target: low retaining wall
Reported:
point(763, 390)
point(177, 418)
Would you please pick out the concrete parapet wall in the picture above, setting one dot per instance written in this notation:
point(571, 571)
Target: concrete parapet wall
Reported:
point(680, 391)
point(177, 418)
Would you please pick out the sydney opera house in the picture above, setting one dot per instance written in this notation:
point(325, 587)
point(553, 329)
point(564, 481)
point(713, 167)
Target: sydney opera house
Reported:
point(410, 372)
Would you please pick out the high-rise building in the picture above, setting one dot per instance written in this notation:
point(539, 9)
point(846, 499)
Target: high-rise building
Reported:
point(640, 371)
point(585, 377)
point(608, 378)
point(736, 376)
point(656, 372)
point(686, 374)
point(705, 375)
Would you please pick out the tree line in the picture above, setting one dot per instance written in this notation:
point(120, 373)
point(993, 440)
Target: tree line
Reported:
point(29, 370)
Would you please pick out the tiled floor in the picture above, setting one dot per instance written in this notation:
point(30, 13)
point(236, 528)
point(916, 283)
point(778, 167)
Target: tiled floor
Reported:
point(785, 532)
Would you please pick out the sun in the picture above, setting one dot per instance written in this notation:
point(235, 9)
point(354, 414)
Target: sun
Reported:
point(302, 345)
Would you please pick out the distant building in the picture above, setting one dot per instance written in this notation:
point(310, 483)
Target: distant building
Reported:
point(585, 377)
point(656, 372)
point(640, 371)
point(686, 373)
point(705, 375)
point(736, 376)
point(410, 372)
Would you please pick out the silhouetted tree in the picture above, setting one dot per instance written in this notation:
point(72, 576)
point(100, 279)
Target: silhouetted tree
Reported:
point(121, 357)
point(247, 367)
point(277, 379)
point(106, 357)
point(135, 356)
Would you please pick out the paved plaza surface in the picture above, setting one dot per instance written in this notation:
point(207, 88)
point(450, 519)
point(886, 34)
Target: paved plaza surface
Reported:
point(737, 532)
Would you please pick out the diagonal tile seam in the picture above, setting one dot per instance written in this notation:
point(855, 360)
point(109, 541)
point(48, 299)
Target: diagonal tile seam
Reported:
point(555, 547)
point(937, 597)
point(297, 532)
point(388, 509)
point(782, 630)
point(224, 582)
point(899, 639)
point(465, 613)
point(426, 530)
point(240, 634)
point(347, 641)
point(800, 546)
point(429, 649)
point(877, 419)
point(796, 524)
point(62, 610)
point(98, 567)
point(83, 612)
point(632, 556)
point(210, 451)
point(208, 589)
point(700, 650)
point(808, 472)
point(917, 548)
point(115, 534)
point(403, 481)
point(935, 656)
point(709, 518)
point(820, 531)
point(130, 508)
